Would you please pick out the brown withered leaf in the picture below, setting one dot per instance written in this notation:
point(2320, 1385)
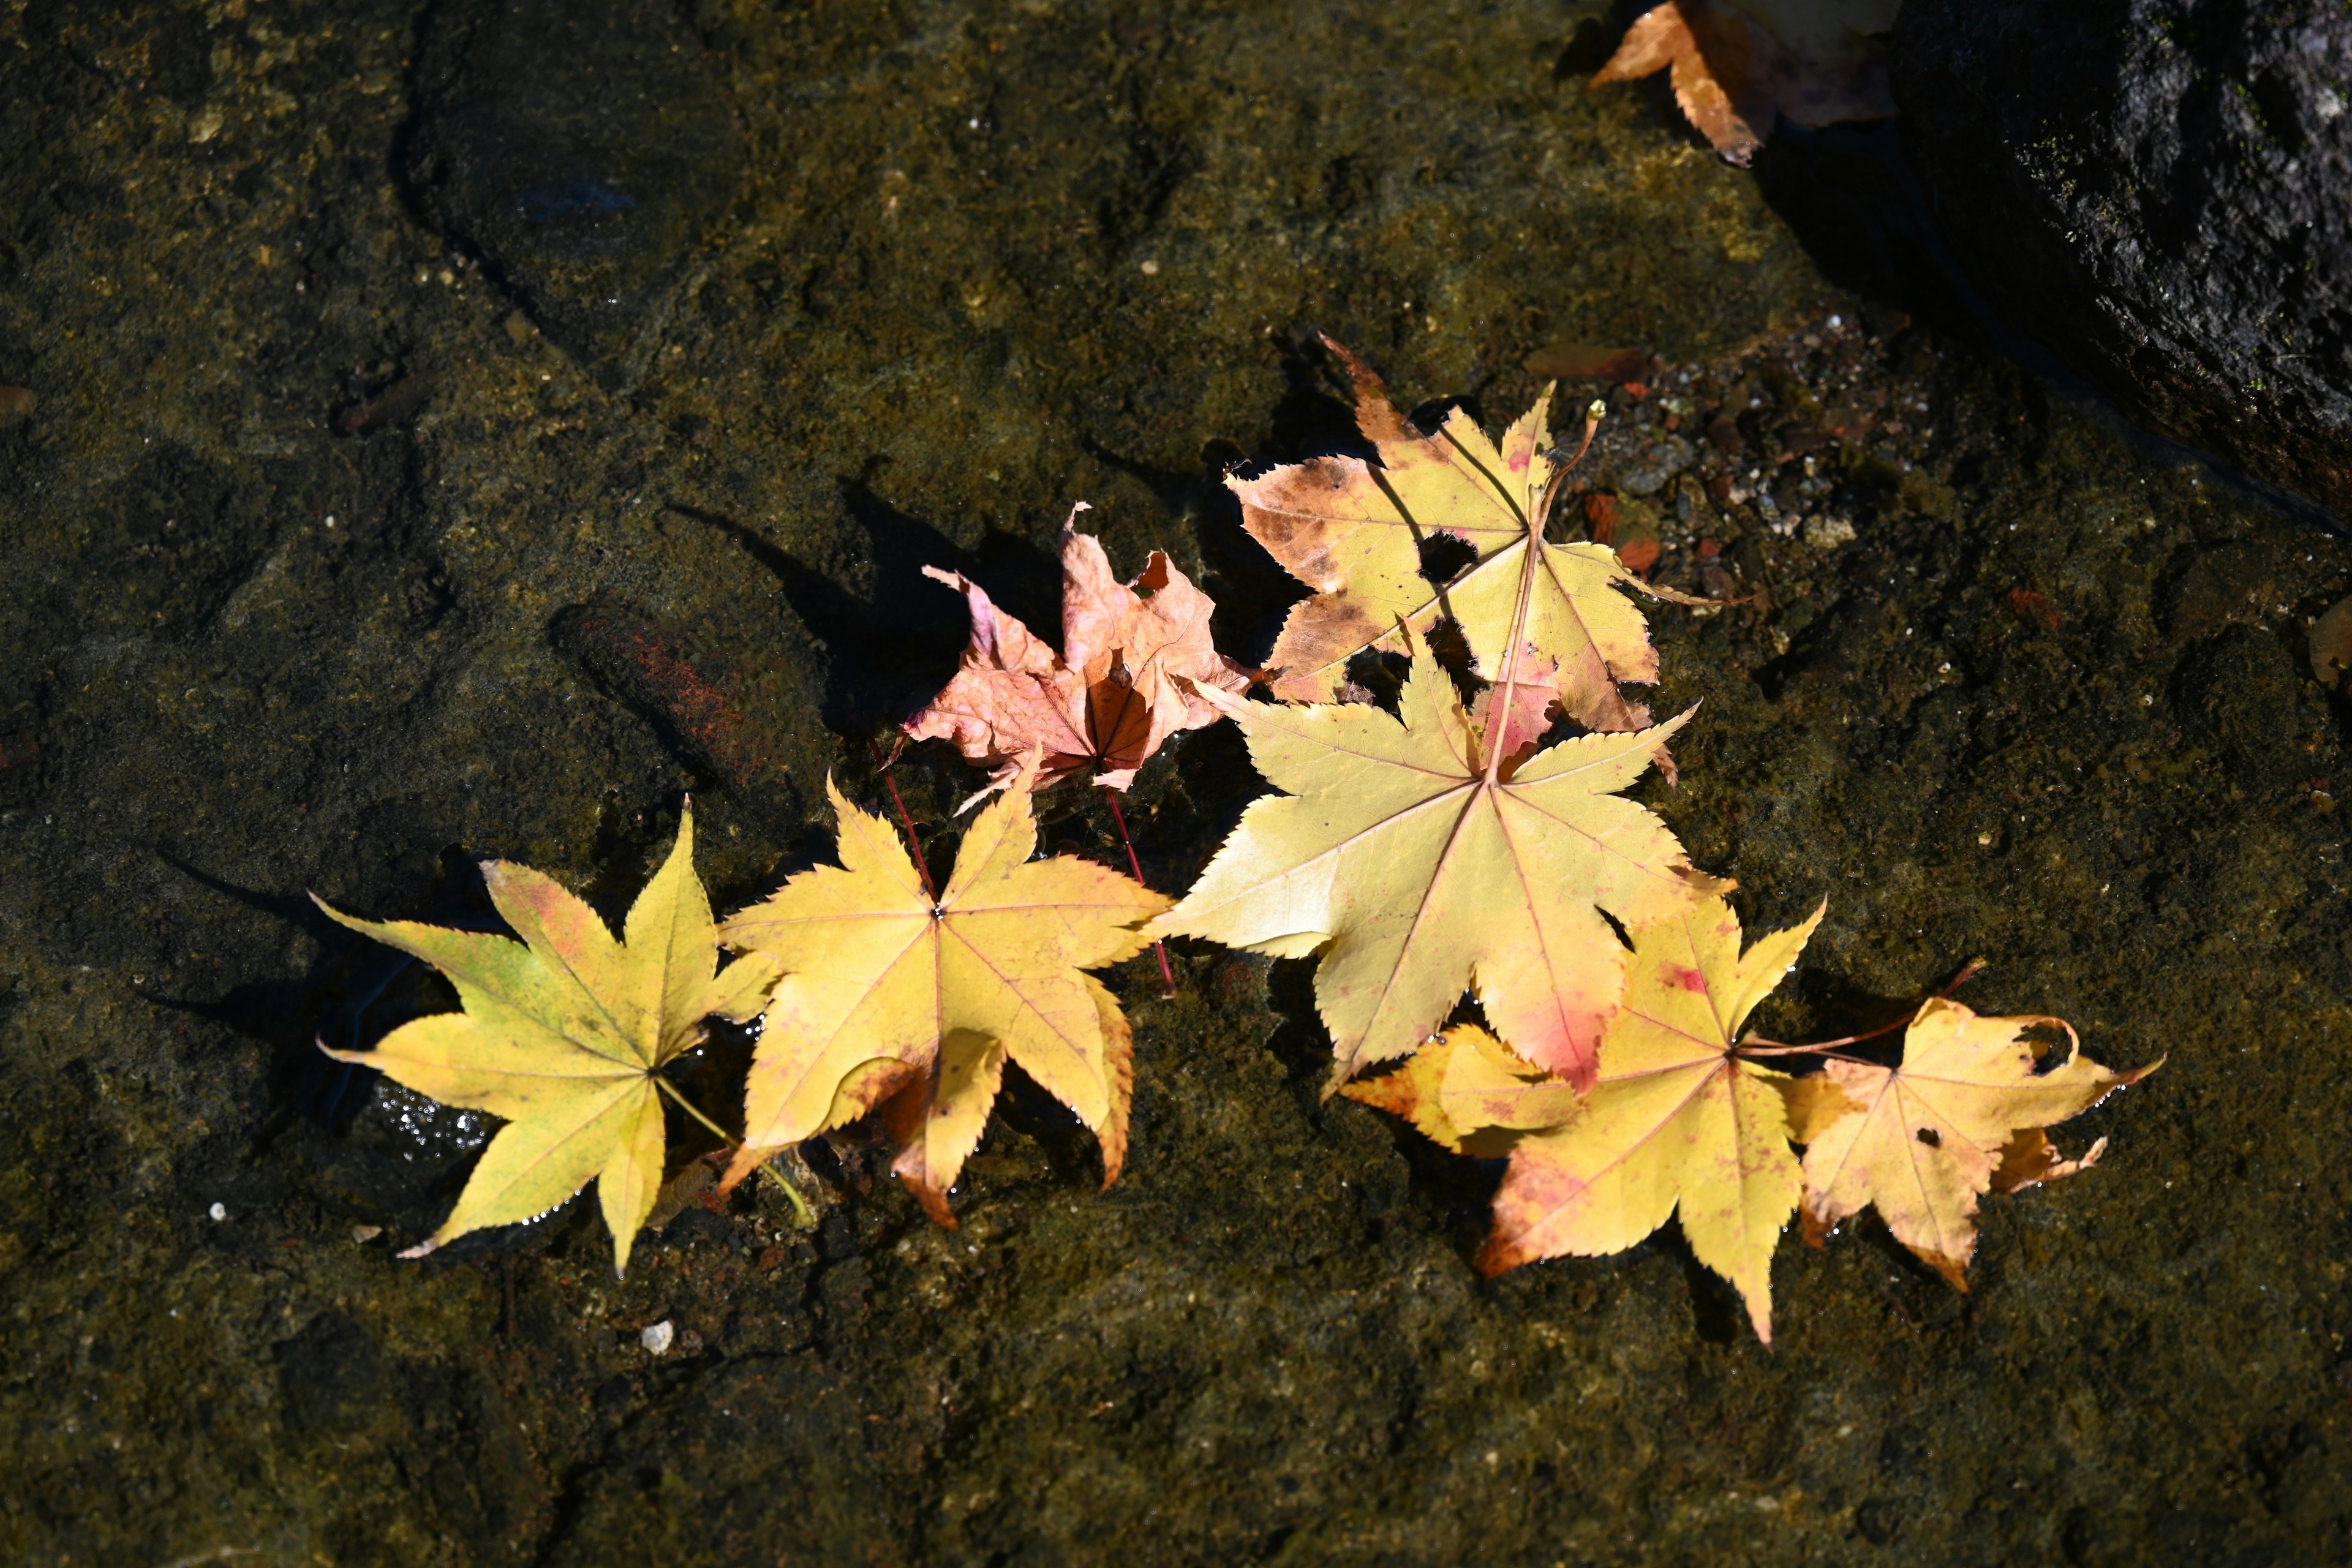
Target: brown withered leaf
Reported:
point(1708, 90)
point(1124, 681)
point(1963, 1115)
point(1353, 532)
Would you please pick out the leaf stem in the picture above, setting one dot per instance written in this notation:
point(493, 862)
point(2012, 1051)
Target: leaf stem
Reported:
point(914, 845)
point(1498, 708)
point(1167, 975)
point(804, 1217)
point(1757, 1046)
point(1592, 416)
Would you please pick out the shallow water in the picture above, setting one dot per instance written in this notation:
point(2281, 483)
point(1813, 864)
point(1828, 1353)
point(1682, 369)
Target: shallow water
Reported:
point(328, 570)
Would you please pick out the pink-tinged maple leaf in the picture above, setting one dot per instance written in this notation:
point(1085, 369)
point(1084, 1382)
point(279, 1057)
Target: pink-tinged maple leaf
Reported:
point(1123, 682)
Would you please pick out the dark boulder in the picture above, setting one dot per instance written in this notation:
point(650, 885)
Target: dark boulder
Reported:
point(579, 148)
point(2159, 192)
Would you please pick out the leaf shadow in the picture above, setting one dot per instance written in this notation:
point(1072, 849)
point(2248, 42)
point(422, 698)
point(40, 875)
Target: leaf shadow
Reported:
point(889, 643)
point(1818, 1005)
point(1717, 1313)
point(353, 994)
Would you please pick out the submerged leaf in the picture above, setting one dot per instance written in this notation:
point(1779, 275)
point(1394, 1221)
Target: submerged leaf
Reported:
point(895, 1000)
point(562, 1035)
point(1416, 868)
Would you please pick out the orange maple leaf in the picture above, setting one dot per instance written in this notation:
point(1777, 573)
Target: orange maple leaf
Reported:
point(1738, 66)
point(1123, 682)
point(1707, 89)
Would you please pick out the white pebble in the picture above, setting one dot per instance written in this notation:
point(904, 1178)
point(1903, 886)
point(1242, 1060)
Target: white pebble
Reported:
point(656, 1337)
point(218, 1211)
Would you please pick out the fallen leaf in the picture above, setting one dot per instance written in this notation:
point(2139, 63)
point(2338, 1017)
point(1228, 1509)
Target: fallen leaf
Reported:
point(1676, 1118)
point(564, 1035)
point(1737, 66)
point(1468, 1070)
point(1123, 682)
point(1961, 1115)
point(895, 1000)
point(1353, 532)
point(1707, 84)
point(1416, 866)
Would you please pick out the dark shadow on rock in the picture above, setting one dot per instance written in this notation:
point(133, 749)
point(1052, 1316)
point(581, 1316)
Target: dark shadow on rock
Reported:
point(356, 993)
point(890, 647)
point(1833, 1007)
point(1717, 1311)
point(1853, 200)
point(1587, 50)
point(580, 148)
point(1316, 414)
point(1856, 199)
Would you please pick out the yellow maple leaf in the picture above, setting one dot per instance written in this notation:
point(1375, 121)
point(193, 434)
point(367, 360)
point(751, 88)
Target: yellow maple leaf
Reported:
point(1354, 532)
point(1962, 1116)
point(897, 1000)
point(1677, 1121)
point(563, 1034)
point(1468, 1071)
point(1415, 866)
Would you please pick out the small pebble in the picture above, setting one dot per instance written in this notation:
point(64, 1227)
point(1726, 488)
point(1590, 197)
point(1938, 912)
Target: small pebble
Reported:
point(218, 1211)
point(363, 1233)
point(1827, 532)
point(656, 1337)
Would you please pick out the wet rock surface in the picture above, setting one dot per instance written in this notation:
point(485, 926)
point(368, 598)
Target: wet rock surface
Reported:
point(580, 148)
point(2159, 193)
point(2004, 689)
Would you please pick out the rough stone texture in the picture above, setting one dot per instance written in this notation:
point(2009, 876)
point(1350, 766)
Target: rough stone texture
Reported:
point(580, 148)
point(2047, 707)
point(2159, 192)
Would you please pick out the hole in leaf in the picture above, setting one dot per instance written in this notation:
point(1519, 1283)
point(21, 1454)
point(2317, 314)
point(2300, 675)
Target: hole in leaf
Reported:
point(1444, 555)
point(1930, 1137)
